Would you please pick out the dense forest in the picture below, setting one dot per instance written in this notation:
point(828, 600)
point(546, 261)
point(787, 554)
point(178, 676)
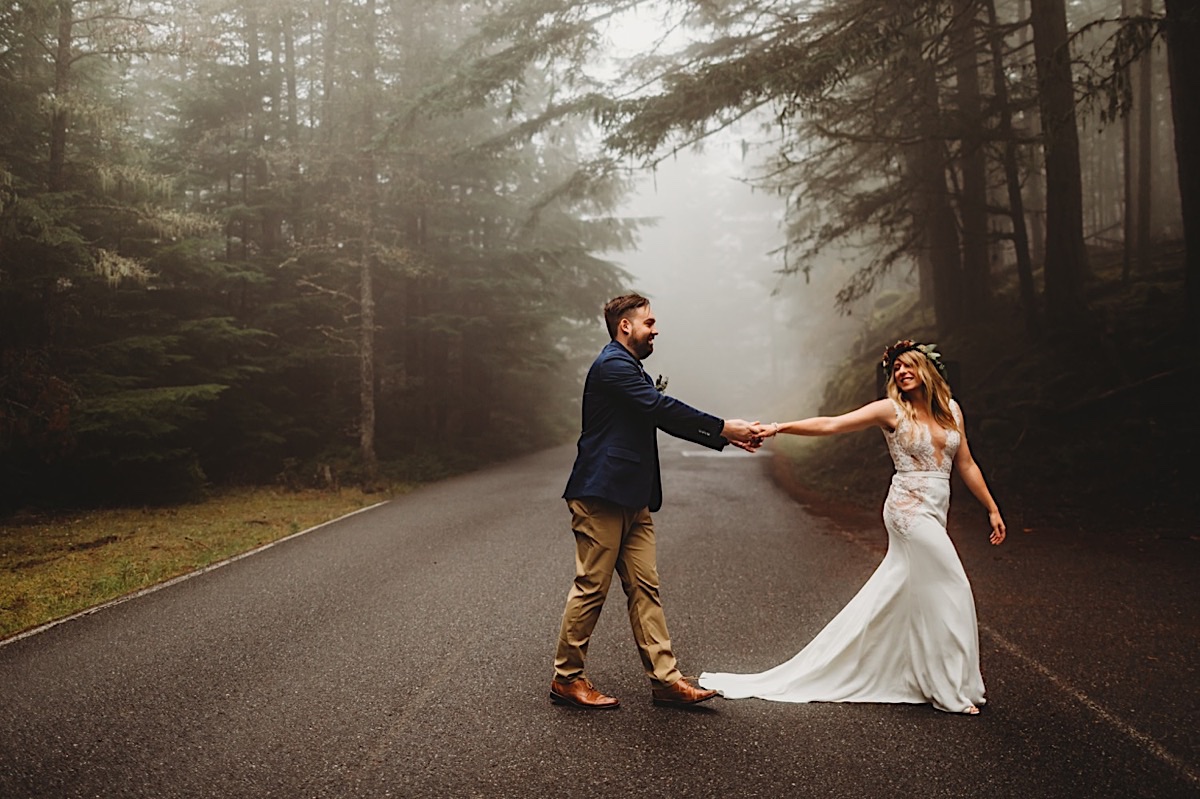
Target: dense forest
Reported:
point(336, 240)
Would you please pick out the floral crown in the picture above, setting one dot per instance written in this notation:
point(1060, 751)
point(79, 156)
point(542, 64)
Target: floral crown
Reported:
point(908, 345)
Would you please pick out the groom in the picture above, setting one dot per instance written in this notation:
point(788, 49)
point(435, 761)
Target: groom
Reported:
point(613, 487)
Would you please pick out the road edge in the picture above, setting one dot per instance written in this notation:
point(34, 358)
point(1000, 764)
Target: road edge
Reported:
point(150, 589)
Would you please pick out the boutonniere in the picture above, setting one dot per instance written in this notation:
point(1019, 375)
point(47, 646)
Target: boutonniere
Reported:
point(661, 384)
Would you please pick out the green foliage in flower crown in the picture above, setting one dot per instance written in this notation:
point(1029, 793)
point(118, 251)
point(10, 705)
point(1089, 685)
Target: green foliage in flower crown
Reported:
point(908, 345)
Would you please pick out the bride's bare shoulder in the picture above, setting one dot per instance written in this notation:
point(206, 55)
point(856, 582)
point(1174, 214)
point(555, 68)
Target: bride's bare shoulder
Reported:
point(883, 413)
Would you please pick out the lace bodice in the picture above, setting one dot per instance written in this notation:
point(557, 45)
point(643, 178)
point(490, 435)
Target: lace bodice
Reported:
point(917, 453)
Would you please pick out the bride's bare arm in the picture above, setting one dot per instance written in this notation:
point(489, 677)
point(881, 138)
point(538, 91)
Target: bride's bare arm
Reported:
point(874, 414)
point(969, 471)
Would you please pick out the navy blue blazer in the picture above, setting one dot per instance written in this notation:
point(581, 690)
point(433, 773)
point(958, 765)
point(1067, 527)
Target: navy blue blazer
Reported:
point(617, 456)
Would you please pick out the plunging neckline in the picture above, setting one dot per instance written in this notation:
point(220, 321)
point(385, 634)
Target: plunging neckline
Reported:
point(939, 452)
point(912, 443)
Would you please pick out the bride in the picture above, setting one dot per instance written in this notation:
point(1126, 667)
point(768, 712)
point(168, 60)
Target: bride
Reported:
point(910, 634)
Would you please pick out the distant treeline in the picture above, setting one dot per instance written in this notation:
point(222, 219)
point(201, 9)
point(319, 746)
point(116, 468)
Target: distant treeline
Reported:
point(982, 142)
point(258, 241)
point(272, 241)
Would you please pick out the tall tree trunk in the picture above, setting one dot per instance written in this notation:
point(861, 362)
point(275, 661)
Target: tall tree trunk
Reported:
point(1129, 237)
point(272, 221)
point(274, 34)
point(925, 288)
point(289, 57)
point(366, 268)
point(1092, 162)
point(973, 199)
point(261, 84)
point(1145, 105)
point(366, 361)
point(1066, 256)
point(1183, 65)
point(59, 117)
point(292, 122)
point(229, 193)
point(255, 84)
point(933, 217)
point(1012, 176)
point(327, 80)
point(1035, 178)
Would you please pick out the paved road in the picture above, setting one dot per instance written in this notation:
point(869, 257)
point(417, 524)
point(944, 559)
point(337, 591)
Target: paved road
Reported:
point(405, 651)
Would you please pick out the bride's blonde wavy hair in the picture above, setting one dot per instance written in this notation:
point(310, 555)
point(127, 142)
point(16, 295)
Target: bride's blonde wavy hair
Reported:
point(937, 391)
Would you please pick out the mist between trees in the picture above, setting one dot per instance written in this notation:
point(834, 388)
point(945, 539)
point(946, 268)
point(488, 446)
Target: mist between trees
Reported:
point(354, 240)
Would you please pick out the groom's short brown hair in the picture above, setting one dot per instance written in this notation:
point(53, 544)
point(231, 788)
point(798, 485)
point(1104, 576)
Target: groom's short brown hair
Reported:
point(618, 308)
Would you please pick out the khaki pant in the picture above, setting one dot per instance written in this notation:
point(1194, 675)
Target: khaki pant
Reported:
point(609, 537)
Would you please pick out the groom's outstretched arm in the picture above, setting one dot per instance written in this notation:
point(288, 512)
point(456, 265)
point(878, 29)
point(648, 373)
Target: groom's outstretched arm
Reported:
point(627, 384)
point(729, 431)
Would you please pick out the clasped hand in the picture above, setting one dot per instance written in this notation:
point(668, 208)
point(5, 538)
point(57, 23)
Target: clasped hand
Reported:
point(747, 435)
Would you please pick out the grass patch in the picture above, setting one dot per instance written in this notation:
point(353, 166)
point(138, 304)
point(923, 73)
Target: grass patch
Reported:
point(58, 563)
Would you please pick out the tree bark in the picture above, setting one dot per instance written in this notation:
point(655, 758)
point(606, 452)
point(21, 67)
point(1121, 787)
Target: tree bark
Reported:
point(289, 57)
point(1066, 255)
point(270, 221)
point(973, 198)
point(1145, 102)
point(934, 218)
point(59, 117)
point(1035, 176)
point(1183, 65)
point(925, 289)
point(1012, 176)
point(292, 123)
point(1128, 239)
point(366, 360)
point(366, 279)
point(327, 79)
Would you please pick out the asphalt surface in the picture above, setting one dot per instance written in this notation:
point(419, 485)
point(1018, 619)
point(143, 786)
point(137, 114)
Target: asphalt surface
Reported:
point(406, 651)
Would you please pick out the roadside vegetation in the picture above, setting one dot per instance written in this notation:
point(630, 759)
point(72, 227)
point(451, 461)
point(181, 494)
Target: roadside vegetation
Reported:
point(56, 563)
point(1090, 430)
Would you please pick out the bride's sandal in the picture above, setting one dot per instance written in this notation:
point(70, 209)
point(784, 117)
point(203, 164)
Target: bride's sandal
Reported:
point(971, 711)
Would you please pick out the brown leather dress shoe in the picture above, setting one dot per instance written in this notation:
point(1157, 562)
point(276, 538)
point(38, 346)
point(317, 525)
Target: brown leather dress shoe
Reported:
point(581, 693)
point(681, 693)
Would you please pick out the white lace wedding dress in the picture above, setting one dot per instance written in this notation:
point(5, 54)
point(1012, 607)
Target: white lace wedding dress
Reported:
point(910, 633)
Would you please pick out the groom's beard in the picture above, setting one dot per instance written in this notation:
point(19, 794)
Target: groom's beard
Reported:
point(642, 349)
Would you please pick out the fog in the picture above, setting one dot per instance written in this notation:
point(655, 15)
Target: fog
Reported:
point(736, 337)
point(296, 235)
point(740, 339)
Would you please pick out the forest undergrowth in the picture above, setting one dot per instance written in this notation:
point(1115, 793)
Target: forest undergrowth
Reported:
point(1090, 432)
